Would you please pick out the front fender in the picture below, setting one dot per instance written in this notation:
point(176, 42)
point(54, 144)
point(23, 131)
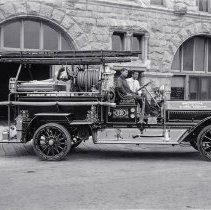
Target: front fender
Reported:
point(192, 133)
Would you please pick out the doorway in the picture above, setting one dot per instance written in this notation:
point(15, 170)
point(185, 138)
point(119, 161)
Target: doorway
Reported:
point(32, 72)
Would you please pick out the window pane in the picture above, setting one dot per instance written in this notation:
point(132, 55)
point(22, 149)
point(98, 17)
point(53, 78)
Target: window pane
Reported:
point(136, 42)
point(209, 55)
point(66, 45)
point(158, 2)
point(199, 54)
point(177, 87)
point(12, 35)
point(178, 81)
point(118, 41)
point(203, 5)
point(50, 38)
point(204, 88)
point(176, 64)
point(31, 34)
point(194, 87)
point(188, 55)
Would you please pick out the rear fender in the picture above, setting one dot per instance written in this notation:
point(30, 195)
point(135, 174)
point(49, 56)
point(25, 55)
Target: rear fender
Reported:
point(43, 118)
point(61, 118)
point(192, 133)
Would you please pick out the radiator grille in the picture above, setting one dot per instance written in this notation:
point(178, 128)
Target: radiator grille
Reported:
point(187, 115)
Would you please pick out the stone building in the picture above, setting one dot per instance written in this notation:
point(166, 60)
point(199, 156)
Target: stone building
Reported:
point(173, 35)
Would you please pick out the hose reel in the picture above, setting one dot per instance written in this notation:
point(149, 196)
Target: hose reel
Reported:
point(88, 79)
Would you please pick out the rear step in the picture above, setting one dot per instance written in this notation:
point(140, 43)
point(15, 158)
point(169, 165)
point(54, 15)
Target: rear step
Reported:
point(11, 142)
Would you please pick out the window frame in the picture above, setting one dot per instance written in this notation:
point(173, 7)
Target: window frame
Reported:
point(208, 6)
point(41, 35)
point(206, 58)
point(128, 36)
point(141, 41)
point(187, 78)
point(199, 75)
point(2, 39)
point(158, 5)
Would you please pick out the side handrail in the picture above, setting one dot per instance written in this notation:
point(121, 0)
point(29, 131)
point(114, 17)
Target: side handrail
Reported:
point(55, 103)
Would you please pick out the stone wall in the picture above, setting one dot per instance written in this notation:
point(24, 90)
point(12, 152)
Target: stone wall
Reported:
point(88, 22)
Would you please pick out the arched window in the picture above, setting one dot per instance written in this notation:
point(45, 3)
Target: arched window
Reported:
point(192, 70)
point(30, 34)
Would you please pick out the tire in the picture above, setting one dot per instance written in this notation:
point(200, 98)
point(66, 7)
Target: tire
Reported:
point(204, 142)
point(52, 142)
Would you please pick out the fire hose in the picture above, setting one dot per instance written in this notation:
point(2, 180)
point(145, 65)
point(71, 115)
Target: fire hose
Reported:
point(88, 79)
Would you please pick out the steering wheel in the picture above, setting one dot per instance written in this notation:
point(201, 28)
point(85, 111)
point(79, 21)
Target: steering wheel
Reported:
point(143, 86)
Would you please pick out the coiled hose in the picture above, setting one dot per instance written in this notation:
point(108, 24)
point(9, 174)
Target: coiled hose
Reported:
point(88, 79)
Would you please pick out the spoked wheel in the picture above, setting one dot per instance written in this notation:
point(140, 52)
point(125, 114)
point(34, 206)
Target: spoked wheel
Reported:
point(204, 142)
point(52, 141)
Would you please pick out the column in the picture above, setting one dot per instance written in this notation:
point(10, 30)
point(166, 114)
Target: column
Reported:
point(145, 46)
point(128, 40)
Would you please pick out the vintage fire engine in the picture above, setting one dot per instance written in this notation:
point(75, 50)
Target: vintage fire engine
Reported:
point(57, 115)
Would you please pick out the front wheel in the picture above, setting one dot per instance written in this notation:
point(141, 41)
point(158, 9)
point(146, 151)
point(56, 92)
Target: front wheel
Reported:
point(51, 141)
point(204, 142)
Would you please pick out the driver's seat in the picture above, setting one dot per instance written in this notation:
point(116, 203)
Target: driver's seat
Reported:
point(123, 100)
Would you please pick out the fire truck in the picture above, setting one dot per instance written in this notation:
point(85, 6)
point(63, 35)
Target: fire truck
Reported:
point(57, 114)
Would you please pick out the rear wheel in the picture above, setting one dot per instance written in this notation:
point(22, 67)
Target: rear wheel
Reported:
point(52, 141)
point(204, 142)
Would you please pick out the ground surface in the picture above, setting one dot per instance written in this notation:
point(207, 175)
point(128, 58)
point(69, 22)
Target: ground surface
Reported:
point(105, 177)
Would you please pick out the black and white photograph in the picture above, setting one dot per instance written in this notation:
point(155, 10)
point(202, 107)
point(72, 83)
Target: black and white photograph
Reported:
point(105, 104)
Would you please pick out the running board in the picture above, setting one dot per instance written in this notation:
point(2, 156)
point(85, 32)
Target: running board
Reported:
point(134, 136)
point(129, 141)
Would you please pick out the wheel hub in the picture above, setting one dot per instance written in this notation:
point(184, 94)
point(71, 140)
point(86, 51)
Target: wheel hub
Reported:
point(51, 142)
